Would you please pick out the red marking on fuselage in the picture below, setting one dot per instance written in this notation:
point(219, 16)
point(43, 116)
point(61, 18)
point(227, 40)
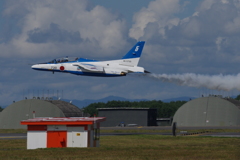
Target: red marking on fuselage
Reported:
point(62, 68)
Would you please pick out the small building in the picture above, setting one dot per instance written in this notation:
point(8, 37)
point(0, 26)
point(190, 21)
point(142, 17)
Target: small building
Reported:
point(11, 116)
point(63, 132)
point(128, 117)
point(164, 121)
point(209, 111)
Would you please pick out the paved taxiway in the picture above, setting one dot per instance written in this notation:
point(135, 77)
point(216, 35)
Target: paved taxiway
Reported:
point(24, 135)
point(230, 134)
point(13, 135)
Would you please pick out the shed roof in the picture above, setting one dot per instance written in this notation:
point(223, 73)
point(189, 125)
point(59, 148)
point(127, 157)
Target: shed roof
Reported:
point(63, 121)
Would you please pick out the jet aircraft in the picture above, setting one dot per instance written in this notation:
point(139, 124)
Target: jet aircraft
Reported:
point(87, 67)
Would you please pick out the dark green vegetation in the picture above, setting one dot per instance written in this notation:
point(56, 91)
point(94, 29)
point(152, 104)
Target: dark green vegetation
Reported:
point(134, 147)
point(1, 109)
point(238, 97)
point(165, 110)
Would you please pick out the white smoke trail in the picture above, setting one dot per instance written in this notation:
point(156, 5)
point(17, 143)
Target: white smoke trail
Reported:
point(215, 82)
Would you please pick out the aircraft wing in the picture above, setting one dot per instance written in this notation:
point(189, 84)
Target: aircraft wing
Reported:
point(90, 67)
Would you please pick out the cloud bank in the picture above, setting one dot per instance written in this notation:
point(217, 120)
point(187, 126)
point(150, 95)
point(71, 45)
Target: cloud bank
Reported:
point(205, 41)
point(210, 35)
point(59, 26)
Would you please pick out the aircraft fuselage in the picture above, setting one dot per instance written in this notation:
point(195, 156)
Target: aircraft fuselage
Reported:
point(103, 68)
point(81, 66)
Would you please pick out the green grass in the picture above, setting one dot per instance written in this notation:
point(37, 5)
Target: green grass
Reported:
point(13, 130)
point(140, 130)
point(132, 147)
point(136, 130)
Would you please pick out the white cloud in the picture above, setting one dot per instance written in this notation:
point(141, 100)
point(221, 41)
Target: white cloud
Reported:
point(78, 25)
point(206, 5)
point(225, 1)
point(219, 42)
point(233, 26)
point(197, 39)
point(160, 11)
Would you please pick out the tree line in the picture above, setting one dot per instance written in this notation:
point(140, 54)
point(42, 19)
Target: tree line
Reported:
point(164, 109)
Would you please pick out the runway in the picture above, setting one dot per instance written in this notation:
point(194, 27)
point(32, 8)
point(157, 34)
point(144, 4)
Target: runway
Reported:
point(13, 136)
point(24, 135)
point(223, 135)
point(170, 127)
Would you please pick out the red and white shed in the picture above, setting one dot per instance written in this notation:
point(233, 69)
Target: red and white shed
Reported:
point(63, 132)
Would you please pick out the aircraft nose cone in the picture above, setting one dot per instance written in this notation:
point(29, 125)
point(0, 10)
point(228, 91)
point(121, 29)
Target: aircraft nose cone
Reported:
point(34, 66)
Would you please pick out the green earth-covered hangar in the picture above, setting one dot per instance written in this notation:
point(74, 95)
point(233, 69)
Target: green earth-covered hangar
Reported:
point(204, 111)
point(11, 116)
point(209, 111)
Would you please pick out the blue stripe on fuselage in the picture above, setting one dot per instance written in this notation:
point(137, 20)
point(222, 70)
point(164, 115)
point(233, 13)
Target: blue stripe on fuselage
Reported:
point(81, 73)
point(86, 60)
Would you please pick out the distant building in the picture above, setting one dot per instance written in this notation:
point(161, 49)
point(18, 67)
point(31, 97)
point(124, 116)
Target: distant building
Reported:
point(164, 121)
point(128, 117)
point(209, 111)
point(11, 116)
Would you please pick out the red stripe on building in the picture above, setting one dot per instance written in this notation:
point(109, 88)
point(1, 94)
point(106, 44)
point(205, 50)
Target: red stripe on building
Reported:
point(36, 127)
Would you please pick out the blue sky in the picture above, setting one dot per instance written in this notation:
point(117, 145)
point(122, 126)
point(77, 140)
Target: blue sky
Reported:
point(191, 47)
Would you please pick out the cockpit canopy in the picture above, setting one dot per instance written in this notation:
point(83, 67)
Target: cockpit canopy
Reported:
point(63, 59)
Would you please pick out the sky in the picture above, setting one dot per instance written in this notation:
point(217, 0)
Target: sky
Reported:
point(192, 47)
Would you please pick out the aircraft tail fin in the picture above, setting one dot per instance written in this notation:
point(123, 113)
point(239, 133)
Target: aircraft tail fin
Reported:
point(135, 52)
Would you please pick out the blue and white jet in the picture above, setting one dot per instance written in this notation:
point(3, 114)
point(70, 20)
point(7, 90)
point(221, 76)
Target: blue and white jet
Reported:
point(86, 67)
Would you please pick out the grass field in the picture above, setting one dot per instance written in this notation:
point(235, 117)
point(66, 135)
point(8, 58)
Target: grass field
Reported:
point(132, 147)
point(137, 130)
point(13, 131)
point(140, 130)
